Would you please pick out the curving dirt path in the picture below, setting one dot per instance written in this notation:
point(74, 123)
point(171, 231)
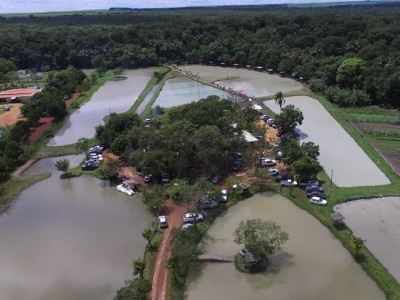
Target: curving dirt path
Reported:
point(160, 280)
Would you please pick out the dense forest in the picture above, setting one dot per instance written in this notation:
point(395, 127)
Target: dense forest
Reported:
point(349, 53)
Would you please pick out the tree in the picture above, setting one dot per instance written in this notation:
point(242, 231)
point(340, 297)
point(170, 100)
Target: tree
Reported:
point(148, 234)
point(139, 266)
point(137, 289)
point(82, 145)
point(278, 98)
point(289, 118)
point(109, 169)
point(62, 164)
point(310, 149)
point(349, 73)
point(153, 197)
point(260, 237)
point(306, 167)
point(357, 244)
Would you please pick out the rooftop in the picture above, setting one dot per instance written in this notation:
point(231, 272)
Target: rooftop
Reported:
point(23, 92)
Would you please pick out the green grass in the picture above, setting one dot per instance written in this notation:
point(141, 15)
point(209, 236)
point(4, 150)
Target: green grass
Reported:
point(367, 110)
point(151, 253)
point(58, 13)
point(153, 80)
point(377, 119)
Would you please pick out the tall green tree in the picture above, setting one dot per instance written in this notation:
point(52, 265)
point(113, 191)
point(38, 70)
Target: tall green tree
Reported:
point(148, 234)
point(137, 289)
point(139, 266)
point(259, 236)
point(306, 167)
point(357, 244)
point(289, 118)
point(83, 145)
point(62, 165)
point(279, 99)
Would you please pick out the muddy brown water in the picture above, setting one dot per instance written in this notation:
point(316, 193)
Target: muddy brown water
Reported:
point(377, 222)
point(312, 265)
point(340, 155)
point(252, 83)
point(112, 97)
point(69, 239)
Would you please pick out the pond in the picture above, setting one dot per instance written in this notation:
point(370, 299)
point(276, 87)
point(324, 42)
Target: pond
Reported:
point(339, 153)
point(312, 265)
point(182, 90)
point(377, 222)
point(69, 239)
point(252, 83)
point(112, 97)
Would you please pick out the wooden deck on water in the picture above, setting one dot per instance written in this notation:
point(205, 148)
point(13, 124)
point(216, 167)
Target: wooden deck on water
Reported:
point(216, 257)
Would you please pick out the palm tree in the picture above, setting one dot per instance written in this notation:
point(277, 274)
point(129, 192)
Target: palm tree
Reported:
point(139, 265)
point(148, 235)
point(278, 98)
point(357, 245)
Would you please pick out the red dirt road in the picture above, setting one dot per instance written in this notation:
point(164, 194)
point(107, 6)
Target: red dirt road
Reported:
point(45, 123)
point(160, 280)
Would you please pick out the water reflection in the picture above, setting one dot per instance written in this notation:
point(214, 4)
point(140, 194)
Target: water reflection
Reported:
point(312, 265)
point(69, 239)
point(112, 97)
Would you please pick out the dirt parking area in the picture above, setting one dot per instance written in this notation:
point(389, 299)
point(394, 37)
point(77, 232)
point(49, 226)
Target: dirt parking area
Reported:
point(9, 118)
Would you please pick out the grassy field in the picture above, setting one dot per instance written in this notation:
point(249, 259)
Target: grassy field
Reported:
point(57, 13)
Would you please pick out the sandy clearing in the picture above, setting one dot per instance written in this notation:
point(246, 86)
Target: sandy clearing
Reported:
point(9, 118)
point(339, 152)
point(377, 221)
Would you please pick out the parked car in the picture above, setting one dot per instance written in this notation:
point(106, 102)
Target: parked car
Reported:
point(208, 204)
point(164, 178)
point(148, 178)
point(243, 252)
point(267, 162)
point(318, 201)
point(306, 182)
point(162, 220)
point(216, 179)
point(314, 187)
point(238, 156)
point(264, 118)
point(280, 132)
point(193, 217)
point(6, 108)
point(186, 226)
point(236, 165)
point(243, 186)
point(288, 182)
point(273, 171)
point(315, 194)
point(280, 177)
point(89, 167)
point(224, 195)
point(271, 122)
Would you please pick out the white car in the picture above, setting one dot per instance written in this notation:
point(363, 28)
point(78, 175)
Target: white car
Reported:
point(318, 201)
point(267, 162)
point(288, 182)
point(224, 197)
point(273, 171)
point(193, 217)
point(186, 226)
point(162, 220)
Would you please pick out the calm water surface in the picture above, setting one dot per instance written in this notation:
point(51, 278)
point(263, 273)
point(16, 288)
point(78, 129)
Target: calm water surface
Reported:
point(377, 222)
point(312, 265)
point(112, 97)
point(181, 90)
point(69, 239)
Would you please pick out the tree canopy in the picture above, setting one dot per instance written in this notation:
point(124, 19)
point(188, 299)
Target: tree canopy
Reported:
point(259, 236)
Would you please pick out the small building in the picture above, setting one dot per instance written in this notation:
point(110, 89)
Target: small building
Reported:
point(18, 95)
point(253, 263)
point(337, 218)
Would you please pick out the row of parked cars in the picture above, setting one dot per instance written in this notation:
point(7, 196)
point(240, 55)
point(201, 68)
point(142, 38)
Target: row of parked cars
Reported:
point(95, 157)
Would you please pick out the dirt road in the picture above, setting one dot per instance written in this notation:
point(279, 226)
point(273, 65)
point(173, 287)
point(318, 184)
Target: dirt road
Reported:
point(160, 280)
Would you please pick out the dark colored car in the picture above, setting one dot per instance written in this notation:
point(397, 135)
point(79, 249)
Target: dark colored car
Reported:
point(314, 187)
point(208, 204)
point(164, 178)
point(148, 178)
point(89, 167)
point(281, 177)
point(316, 194)
point(236, 165)
point(216, 179)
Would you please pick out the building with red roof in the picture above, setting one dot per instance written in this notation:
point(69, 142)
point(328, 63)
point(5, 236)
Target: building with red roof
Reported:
point(18, 95)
